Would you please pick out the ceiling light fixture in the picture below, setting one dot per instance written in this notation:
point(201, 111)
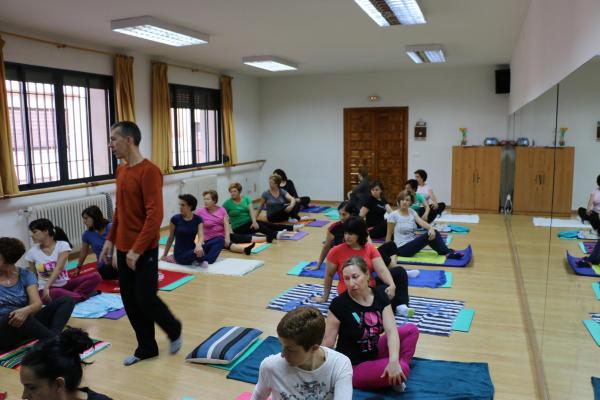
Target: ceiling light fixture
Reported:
point(270, 63)
point(393, 12)
point(426, 53)
point(150, 28)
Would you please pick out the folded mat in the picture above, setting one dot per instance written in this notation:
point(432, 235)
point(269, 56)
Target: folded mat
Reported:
point(167, 280)
point(429, 379)
point(458, 218)
point(318, 223)
point(332, 214)
point(587, 246)
point(583, 271)
point(258, 247)
point(432, 316)
point(568, 235)
point(294, 235)
point(596, 387)
point(117, 314)
point(463, 320)
point(97, 306)
point(223, 266)
point(593, 328)
point(242, 357)
point(315, 209)
point(12, 358)
point(429, 257)
point(595, 317)
point(559, 223)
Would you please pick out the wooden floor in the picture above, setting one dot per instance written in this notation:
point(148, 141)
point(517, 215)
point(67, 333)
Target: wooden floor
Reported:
point(497, 335)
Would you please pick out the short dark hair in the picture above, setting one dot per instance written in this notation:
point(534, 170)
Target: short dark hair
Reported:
point(413, 184)
point(357, 226)
point(422, 174)
point(235, 185)
point(128, 129)
point(364, 172)
point(190, 200)
point(304, 325)
point(212, 193)
point(281, 174)
point(59, 357)
point(95, 213)
point(375, 184)
point(11, 249)
point(45, 225)
point(349, 207)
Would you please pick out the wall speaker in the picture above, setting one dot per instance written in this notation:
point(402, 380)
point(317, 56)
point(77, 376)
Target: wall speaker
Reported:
point(502, 81)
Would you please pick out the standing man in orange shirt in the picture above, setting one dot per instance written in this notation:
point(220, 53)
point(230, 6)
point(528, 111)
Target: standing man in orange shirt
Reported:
point(135, 233)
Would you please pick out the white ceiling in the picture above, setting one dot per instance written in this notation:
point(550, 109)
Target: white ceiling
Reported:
point(322, 36)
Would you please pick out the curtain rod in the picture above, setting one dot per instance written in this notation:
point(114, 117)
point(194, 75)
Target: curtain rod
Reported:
point(57, 44)
point(193, 69)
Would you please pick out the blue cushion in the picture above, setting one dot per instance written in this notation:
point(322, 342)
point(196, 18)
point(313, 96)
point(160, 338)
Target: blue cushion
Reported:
point(224, 346)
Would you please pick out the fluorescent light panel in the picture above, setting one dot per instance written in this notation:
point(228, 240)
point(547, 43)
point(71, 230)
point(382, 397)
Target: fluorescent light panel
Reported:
point(404, 12)
point(428, 53)
point(270, 63)
point(150, 28)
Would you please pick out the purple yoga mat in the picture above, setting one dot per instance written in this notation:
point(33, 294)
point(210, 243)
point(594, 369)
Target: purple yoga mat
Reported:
point(297, 236)
point(589, 246)
point(318, 223)
point(115, 314)
point(315, 209)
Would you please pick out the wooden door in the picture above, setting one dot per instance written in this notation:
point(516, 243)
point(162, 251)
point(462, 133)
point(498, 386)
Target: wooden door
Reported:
point(463, 178)
point(563, 181)
point(526, 180)
point(487, 178)
point(544, 166)
point(377, 139)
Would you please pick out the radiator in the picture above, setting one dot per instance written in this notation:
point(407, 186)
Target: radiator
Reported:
point(67, 214)
point(195, 186)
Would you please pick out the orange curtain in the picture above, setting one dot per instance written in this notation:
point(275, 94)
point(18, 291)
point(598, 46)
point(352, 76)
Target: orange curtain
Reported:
point(124, 94)
point(229, 145)
point(161, 118)
point(8, 176)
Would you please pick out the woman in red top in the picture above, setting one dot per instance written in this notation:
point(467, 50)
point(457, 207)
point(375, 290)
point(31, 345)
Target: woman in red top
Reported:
point(356, 243)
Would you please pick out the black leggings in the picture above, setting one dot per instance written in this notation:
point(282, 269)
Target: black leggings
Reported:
point(268, 229)
point(48, 323)
point(282, 215)
point(304, 201)
point(378, 231)
point(593, 218)
point(432, 213)
point(400, 279)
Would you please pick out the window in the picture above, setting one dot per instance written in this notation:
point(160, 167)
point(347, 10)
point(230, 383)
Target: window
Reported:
point(195, 126)
point(60, 123)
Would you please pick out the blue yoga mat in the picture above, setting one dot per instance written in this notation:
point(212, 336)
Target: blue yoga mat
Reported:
point(247, 370)
point(440, 380)
point(428, 278)
point(596, 386)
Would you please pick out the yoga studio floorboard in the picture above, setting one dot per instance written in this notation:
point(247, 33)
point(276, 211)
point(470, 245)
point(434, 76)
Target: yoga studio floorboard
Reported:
point(488, 285)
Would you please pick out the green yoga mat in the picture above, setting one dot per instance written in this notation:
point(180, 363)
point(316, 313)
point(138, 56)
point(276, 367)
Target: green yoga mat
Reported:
point(258, 249)
point(230, 366)
point(596, 287)
point(297, 269)
point(449, 280)
point(426, 257)
point(596, 268)
point(594, 329)
point(178, 283)
point(463, 320)
point(163, 240)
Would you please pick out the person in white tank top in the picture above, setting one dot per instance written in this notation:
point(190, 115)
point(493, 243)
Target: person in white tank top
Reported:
point(436, 207)
point(592, 211)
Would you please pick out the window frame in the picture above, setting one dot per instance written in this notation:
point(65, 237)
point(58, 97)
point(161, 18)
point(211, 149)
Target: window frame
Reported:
point(58, 78)
point(219, 133)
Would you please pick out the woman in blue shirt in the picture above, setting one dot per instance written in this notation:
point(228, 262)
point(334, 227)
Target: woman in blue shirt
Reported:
point(21, 313)
point(93, 238)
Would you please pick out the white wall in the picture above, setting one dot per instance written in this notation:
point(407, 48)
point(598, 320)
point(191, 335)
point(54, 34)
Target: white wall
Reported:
point(245, 93)
point(557, 37)
point(302, 121)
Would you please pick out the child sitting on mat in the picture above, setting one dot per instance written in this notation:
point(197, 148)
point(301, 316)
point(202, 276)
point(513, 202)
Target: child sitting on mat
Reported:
point(304, 369)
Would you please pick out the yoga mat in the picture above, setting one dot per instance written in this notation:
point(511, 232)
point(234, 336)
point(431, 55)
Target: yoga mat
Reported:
point(12, 358)
point(294, 235)
point(246, 396)
point(596, 288)
point(247, 370)
point(594, 329)
point(596, 387)
point(424, 257)
point(568, 235)
point(166, 278)
point(245, 354)
point(315, 209)
point(595, 317)
point(572, 262)
point(97, 306)
point(318, 223)
point(449, 281)
point(179, 283)
point(163, 240)
point(587, 246)
point(440, 380)
point(463, 320)
point(117, 314)
point(332, 214)
point(463, 262)
point(223, 266)
point(458, 218)
point(428, 278)
point(559, 223)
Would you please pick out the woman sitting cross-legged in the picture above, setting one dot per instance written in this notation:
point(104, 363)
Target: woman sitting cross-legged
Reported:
point(357, 319)
point(394, 281)
point(281, 207)
point(288, 185)
point(48, 257)
point(21, 314)
point(243, 217)
point(402, 224)
point(93, 239)
point(592, 211)
point(374, 211)
point(435, 208)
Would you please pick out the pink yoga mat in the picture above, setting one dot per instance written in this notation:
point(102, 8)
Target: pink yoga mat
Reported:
point(247, 396)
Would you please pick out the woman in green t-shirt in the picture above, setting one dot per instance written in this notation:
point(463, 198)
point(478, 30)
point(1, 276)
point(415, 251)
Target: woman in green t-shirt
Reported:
point(420, 205)
point(243, 217)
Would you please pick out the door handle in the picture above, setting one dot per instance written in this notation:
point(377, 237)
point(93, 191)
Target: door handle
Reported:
point(473, 177)
point(478, 178)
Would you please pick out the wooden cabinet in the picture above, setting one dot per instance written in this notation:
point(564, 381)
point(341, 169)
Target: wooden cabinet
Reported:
point(476, 178)
point(543, 180)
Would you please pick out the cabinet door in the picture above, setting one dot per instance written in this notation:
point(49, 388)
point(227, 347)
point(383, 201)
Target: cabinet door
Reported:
point(526, 180)
point(563, 180)
point(544, 167)
point(463, 177)
point(487, 178)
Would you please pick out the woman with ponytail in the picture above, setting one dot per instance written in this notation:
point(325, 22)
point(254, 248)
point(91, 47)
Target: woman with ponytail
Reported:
point(52, 370)
point(48, 257)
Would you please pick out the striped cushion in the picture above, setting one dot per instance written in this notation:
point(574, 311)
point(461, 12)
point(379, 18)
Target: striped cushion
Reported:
point(224, 346)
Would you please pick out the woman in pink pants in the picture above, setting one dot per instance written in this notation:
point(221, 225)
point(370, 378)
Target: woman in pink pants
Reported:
point(47, 259)
point(357, 319)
